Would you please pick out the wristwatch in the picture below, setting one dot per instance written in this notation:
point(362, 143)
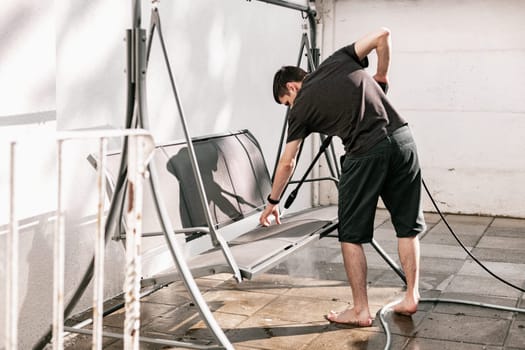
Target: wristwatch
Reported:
point(272, 201)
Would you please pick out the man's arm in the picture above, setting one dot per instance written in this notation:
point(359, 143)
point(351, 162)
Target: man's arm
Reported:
point(379, 41)
point(282, 176)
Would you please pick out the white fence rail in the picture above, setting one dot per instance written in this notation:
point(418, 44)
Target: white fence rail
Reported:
point(140, 149)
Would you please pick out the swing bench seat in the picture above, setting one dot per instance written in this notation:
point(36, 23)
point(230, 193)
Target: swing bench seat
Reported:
point(236, 182)
point(261, 248)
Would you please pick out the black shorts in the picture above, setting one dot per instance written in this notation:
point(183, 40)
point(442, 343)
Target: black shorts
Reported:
point(390, 170)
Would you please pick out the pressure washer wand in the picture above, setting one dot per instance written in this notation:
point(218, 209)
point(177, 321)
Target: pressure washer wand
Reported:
point(293, 194)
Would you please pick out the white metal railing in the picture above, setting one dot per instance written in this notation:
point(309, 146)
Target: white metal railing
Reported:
point(140, 150)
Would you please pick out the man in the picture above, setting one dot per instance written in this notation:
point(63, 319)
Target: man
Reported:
point(340, 98)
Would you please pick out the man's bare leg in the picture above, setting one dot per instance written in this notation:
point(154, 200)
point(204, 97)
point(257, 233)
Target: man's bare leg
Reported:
point(408, 249)
point(356, 270)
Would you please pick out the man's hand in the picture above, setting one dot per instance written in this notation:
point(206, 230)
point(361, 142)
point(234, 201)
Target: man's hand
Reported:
point(270, 209)
point(382, 81)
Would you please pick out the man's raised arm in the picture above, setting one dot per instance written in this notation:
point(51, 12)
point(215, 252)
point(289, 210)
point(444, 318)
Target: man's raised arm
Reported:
point(378, 40)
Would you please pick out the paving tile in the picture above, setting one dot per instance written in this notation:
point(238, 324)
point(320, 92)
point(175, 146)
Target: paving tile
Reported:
point(119, 345)
point(88, 314)
point(382, 215)
point(374, 260)
point(238, 302)
point(473, 220)
point(300, 309)
point(440, 265)
point(354, 339)
point(385, 277)
point(85, 342)
point(482, 286)
point(260, 332)
point(516, 337)
point(174, 294)
point(265, 283)
point(187, 325)
point(174, 323)
point(431, 218)
point(327, 242)
point(383, 295)
point(323, 290)
point(322, 254)
point(517, 224)
point(468, 228)
point(375, 277)
point(445, 238)
point(218, 277)
point(226, 322)
point(388, 248)
point(499, 255)
point(435, 344)
point(148, 312)
point(459, 309)
point(332, 272)
point(503, 270)
point(442, 251)
point(404, 325)
point(385, 233)
point(434, 280)
point(479, 330)
point(511, 243)
point(506, 231)
point(284, 308)
point(325, 271)
point(300, 282)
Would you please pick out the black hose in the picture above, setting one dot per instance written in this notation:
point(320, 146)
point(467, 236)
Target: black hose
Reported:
point(464, 247)
point(387, 307)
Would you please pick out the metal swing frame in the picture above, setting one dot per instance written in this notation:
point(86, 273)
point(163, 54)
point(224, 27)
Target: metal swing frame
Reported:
point(138, 50)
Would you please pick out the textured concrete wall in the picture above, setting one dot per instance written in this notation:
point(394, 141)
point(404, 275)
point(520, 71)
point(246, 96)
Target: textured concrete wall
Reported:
point(62, 66)
point(456, 75)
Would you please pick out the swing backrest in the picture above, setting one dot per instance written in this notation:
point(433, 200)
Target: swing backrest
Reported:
point(234, 175)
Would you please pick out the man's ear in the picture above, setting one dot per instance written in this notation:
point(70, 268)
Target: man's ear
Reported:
point(290, 86)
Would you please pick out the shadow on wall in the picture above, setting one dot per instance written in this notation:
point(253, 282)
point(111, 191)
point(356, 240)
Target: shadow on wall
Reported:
point(35, 279)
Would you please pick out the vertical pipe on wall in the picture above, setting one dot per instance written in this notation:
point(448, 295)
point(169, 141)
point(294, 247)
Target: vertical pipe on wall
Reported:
point(11, 334)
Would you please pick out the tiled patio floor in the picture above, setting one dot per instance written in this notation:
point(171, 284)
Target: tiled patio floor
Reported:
point(284, 308)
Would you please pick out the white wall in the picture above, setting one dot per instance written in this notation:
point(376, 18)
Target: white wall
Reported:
point(66, 61)
point(456, 75)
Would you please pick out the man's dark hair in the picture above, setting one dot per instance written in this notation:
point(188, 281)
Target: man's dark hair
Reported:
point(285, 75)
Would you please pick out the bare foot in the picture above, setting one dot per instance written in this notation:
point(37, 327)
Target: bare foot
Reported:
point(350, 317)
point(406, 307)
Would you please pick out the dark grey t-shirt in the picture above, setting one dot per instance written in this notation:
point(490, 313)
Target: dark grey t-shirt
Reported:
point(341, 99)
